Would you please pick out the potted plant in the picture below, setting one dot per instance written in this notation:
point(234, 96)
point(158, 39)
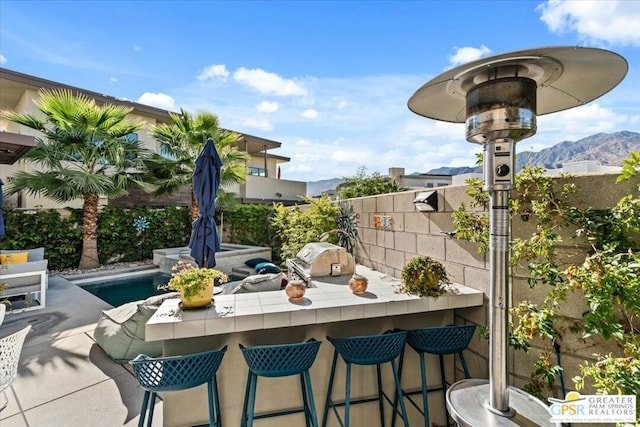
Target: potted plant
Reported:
point(195, 284)
point(424, 276)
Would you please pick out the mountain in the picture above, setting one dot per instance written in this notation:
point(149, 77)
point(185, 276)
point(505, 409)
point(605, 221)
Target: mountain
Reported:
point(607, 148)
point(444, 170)
point(316, 188)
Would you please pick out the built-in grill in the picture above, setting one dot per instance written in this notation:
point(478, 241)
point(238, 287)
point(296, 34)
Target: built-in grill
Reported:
point(320, 259)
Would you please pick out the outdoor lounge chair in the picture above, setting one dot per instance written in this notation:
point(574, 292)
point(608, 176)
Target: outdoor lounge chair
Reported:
point(28, 279)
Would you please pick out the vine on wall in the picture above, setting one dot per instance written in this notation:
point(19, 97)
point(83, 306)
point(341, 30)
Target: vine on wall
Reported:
point(608, 280)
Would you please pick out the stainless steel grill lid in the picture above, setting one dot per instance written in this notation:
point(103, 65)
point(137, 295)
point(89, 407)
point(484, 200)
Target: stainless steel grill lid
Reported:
point(319, 259)
point(565, 76)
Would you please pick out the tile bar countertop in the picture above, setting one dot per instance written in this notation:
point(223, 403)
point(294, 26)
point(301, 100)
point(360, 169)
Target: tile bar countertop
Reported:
point(330, 300)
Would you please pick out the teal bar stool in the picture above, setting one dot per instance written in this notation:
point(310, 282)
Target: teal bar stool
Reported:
point(440, 340)
point(366, 350)
point(174, 373)
point(280, 361)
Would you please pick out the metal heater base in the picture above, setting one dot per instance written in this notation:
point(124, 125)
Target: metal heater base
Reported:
point(468, 405)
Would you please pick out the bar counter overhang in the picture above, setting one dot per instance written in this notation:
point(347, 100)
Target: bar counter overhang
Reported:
point(329, 308)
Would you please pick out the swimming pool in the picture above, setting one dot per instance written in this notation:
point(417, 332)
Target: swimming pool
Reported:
point(120, 290)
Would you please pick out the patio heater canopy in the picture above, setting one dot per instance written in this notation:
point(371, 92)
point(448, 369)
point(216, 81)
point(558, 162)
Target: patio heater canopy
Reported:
point(565, 76)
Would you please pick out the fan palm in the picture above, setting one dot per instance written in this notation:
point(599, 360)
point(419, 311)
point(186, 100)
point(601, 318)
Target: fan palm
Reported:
point(181, 142)
point(84, 151)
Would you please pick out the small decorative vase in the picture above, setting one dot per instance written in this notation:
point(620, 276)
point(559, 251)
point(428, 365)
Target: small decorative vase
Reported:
point(358, 284)
point(295, 290)
point(201, 299)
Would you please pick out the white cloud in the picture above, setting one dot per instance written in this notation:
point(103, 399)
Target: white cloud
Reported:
point(309, 114)
point(576, 123)
point(112, 80)
point(159, 100)
point(613, 21)
point(267, 107)
point(261, 124)
point(3, 60)
point(214, 71)
point(377, 130)
point(463, 55)
point(268, 83)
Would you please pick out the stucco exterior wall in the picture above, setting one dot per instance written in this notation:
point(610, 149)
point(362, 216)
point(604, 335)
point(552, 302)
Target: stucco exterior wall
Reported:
point(392, 231)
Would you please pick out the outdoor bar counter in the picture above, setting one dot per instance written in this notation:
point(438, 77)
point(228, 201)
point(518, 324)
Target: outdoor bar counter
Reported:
point(329, 308)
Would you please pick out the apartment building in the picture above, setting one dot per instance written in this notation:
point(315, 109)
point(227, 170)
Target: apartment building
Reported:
point(18, 91)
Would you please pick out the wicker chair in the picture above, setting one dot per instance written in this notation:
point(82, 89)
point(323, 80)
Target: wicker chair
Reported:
point(10, 349)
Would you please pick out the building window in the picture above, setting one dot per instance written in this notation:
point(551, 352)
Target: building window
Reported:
point(429, 184)
point(257, 171)
point(131, 137)
point(442, 184)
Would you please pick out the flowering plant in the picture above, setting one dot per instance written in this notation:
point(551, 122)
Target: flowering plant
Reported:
point(192, 280)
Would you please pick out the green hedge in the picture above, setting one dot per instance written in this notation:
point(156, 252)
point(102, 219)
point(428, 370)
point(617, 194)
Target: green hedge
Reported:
point(59, 233)
point(123, 234)
point(133, 234)
point(250, 225)
point(129, 235)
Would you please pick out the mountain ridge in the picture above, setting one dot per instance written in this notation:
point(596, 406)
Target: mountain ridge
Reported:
point(607, 148)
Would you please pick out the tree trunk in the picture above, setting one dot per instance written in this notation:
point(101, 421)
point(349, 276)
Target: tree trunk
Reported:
point(195, 211)
point(89, 258)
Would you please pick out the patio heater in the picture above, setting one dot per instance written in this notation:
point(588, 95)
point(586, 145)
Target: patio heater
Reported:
point(498, 99)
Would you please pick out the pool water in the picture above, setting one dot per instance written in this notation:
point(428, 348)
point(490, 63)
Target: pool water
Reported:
point(123, 290)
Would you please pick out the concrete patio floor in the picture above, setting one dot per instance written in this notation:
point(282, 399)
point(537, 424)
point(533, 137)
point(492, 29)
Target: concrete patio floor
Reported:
point(64, 377)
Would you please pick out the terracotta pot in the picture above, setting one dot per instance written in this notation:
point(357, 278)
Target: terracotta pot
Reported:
point(358, 284)
point(201, 299)
point(295, 290)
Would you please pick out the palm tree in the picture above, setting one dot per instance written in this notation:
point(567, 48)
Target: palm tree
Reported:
point(181, 142)
point(85, 151)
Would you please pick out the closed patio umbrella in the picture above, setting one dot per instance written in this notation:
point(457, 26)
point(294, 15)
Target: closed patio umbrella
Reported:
point(204, 242)
point(1, 218)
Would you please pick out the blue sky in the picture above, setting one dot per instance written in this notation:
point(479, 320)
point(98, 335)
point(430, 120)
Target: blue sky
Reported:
point(328, 79)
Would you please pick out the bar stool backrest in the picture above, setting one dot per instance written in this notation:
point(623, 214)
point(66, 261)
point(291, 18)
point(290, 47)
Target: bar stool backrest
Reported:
point(370, 349)
point(281, 360)
point(176, 372)
point(441, 339)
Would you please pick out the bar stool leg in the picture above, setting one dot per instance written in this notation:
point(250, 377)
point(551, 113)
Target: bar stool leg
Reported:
point(245, 403)
point(399, 393)
point(308, 396)
point(380, 403)
point(252, 399)
point(304, 401)
point(217, 402)
point(152, 402)
point(444, 387)
point(211, 403)
point(328, 401)
point(347, 400)
point(464, 365)
point(143, 411)
point(425, 394)
point(395, 398)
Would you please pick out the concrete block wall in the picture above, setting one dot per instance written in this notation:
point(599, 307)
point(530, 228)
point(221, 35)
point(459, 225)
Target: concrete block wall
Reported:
point(411, 233)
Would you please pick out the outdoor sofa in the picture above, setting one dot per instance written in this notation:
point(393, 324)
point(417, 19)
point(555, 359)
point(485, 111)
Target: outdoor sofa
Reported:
point(28, 279)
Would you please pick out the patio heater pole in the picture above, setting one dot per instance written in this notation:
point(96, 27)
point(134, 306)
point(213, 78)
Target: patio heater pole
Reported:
point(500, 112)
point(498, 98)
point(498, 293)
